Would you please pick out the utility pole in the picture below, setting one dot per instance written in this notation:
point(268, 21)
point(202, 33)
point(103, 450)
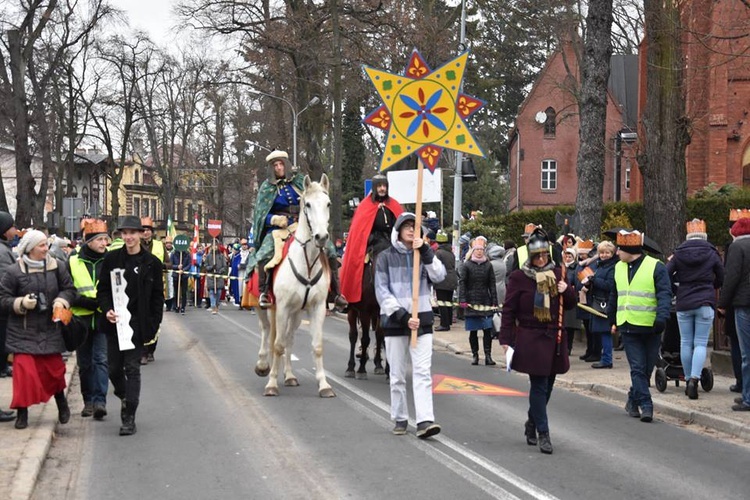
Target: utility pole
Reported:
point(458, 179)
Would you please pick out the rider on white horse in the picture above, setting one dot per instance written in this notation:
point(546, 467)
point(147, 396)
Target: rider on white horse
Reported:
point(277, 207)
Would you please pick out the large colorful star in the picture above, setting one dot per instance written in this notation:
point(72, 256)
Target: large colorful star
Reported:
point(423, 111)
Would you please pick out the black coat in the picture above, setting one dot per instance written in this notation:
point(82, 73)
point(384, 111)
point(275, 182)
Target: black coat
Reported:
point(476, 286)
point(735, 291)
point(147, 316)
point(445, 255)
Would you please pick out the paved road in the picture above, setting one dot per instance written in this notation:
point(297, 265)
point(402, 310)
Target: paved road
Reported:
point(205, 431)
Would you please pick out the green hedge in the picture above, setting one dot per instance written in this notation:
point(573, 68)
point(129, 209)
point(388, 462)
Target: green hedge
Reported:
point(714, 210)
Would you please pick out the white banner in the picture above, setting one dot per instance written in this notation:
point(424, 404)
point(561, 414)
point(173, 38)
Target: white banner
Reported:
point(402, 185)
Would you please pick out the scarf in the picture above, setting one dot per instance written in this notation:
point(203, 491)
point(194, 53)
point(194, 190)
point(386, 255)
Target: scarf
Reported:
point(478, 259)
point(546, 287)
point(33, 264)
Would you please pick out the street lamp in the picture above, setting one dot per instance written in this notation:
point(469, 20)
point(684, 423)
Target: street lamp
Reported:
point(295, 114)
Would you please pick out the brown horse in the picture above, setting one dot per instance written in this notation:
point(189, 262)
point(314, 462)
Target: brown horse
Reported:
point(365, 314)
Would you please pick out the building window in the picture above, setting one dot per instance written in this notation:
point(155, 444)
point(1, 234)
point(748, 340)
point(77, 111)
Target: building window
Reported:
point(154, 214)
point(627, 175)
point(85, 196)
point(136, 177)
point(137, 207)
point(549, 175)
point(180, 212)
point(550, 125)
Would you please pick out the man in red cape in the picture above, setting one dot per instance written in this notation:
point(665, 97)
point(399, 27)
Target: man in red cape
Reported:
point(370, 228)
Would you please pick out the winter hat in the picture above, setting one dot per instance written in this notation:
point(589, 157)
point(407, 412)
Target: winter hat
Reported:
point(571, 251)
point(441, 237)
point(6, 222)
point(30, 240)
point(129, 222)
point(741, 227)
point(405, 216)
point(696, 230)
point(279, 155)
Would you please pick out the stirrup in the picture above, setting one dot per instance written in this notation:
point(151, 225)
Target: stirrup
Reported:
point(264, 301)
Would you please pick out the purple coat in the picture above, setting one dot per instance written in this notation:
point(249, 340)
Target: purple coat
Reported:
point(696, 272)
point(535, 342)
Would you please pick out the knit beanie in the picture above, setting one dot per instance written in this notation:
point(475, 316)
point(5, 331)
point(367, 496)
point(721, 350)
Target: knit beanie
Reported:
point(6, 222)
point(31, 239)
point(741, 227)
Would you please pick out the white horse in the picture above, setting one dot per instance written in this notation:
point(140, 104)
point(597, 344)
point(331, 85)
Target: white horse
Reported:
point(301, 283)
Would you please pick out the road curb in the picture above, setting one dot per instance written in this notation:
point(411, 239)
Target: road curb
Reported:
point(34, 454)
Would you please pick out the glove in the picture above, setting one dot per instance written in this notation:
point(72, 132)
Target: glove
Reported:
point(659, 326)
point(29, 302)
point(279, 221)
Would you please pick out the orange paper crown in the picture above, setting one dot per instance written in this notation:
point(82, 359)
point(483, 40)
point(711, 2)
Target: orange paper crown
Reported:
point(529, 228)
point(696, 226)
point(93, 226)
point(736, 214)
point(584, 273)
point(585, 246)
point(630, 239)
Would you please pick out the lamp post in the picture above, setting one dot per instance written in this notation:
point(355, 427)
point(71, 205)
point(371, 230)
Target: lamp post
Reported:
point(458, 178)
point(295, 114)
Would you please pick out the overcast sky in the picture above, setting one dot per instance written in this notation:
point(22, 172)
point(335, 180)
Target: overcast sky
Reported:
point(153, 16)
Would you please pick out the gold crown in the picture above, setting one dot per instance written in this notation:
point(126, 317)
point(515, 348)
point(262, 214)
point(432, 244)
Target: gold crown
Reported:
point(584, 273)
point(696, 226)
point(630, 239)
point(736, 214)
point(529, 228)
point(93, 226)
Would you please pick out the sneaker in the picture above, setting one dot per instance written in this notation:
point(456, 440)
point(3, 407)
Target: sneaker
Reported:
point(400, 428)
point(632, 409)
point(601, 365)
point(426, 429)
point(741, 407)
point(442, 328)
point(647, 414)
point(88, 409)
point(100, 411)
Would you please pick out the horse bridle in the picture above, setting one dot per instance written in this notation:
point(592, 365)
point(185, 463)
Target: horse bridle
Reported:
point(307, 281)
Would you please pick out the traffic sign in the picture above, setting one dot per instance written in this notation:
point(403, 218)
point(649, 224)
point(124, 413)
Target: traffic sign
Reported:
point(181, 243)
point(214, 227)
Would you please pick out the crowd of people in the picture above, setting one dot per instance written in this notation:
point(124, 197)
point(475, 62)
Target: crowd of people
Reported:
point(534, 299)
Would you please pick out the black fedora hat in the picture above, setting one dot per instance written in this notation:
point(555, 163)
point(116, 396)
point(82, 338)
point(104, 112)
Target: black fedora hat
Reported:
point(129, 222)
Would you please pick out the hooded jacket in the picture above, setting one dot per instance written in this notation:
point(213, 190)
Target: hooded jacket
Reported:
point(736, 288)
point(496, 254)
point(393, 284)
point(696, 272)
point(445, 254)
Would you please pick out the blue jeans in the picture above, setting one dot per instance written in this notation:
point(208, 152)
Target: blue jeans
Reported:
point(539, 394)
point(92, 368)
point(642, 350)
point(742, 319)
point(214, 297)
point(695, 325)
point(606, 348)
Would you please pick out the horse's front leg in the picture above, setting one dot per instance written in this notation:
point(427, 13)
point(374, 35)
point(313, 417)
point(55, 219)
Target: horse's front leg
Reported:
point(261, 366)
point(317, 318)
point(352, 316)
point(365, 322)
point(277, 344)
point(290, 326)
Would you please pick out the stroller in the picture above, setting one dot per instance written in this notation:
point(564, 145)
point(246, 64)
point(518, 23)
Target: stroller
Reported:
point(669, 364)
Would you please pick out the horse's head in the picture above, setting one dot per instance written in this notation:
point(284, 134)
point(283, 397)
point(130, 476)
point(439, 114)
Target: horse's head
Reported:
point(316, 209)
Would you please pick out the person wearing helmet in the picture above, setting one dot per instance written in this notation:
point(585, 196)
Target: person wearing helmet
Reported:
point(277, 207)
point(531, 325)
point(370, 232)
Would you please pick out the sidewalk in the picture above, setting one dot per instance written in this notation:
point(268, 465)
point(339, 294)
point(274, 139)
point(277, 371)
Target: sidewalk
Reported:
point(24, 451)
point(712, 410)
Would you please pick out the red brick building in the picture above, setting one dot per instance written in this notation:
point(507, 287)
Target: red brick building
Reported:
point(544, 142)
point(717, 63)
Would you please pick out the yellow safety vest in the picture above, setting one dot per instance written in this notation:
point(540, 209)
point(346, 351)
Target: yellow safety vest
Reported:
point(636, 299)
point(157, 250)
point(84, 283)
point(116, 244)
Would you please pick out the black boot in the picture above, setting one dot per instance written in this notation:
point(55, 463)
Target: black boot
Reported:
point(339, 301)
point(63, 410)
point(488, 350)
point(545, 445)
point(529, 430)
point(22, 418)
point(128, 427)
point(474, 343)
point(264, 284)
point(692, 388)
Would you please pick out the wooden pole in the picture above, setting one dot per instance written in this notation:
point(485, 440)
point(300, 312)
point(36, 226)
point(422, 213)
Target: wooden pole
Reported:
point(213, 251)
point(560, 312)
point(415, 274)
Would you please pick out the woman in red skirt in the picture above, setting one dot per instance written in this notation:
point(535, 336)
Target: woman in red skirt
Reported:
point(30, 290)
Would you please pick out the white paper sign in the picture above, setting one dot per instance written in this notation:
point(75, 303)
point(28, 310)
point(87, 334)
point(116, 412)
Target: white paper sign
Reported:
point(120, 300)
point(402, 186)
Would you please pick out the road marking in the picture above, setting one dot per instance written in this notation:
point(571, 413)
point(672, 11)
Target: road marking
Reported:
point(492, 468)
point(445, 384)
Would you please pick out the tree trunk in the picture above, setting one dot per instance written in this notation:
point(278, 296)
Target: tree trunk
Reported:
point(593, 116)
point(665, 127)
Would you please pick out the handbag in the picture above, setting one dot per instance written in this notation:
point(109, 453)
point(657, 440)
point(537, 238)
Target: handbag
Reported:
point(74, 333)
point(599, 304)
point(497, 321)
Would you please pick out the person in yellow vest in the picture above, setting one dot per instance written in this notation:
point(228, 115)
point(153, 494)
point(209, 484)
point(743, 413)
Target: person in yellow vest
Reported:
point(117, 241)
point(157, 249)
point(85, 269)
point(639, 306)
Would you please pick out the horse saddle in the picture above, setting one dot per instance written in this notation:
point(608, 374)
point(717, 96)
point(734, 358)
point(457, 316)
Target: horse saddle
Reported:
point(280, 238)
